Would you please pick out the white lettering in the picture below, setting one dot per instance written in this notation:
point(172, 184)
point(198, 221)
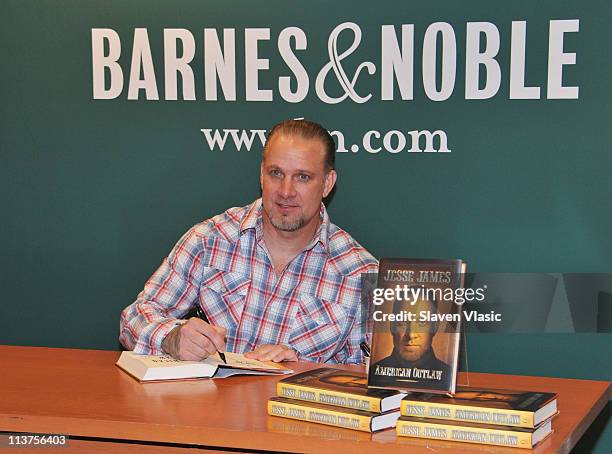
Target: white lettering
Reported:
point(397, 63)
point(557, 58)
point(142, 59)
point(301, 76)
point(429, 144)
point(174, 64)
point(401, 141)
point(367, 141)
point(100, 61)
point(474, 58)
point(253, 64)
point(221, 64)
point(449, 61)
point(518, 90)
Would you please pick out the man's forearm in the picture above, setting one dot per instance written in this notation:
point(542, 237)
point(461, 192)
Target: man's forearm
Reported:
point(143, 327)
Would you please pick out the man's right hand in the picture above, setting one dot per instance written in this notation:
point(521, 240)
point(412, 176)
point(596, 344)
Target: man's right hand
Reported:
point(194, 340)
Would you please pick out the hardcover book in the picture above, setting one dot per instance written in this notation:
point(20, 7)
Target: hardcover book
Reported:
point(515, 437)
point(154, 368)
point(339, 388)
point(416, 325)
point(332, 416)
point(503, 407)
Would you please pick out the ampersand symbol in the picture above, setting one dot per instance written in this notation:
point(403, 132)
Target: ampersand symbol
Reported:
point(334, 63)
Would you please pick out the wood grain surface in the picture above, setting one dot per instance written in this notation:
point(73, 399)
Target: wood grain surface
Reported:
point(82, 393)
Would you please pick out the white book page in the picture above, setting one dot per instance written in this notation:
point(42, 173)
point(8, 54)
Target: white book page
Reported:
point(240, 361)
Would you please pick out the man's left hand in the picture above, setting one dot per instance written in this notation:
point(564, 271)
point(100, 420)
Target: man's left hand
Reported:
point(276, 353)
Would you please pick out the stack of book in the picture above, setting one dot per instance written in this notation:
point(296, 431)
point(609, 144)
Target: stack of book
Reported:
point(337, 398)
point(519, 419)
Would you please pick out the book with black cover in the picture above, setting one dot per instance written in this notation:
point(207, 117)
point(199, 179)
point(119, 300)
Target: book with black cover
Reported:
point(416, 325)
point(440, 429)
point(348, 418)
point(338, 387)
point(506, 407)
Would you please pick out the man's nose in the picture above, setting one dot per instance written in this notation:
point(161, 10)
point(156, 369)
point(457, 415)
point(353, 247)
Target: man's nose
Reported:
point(409, 333)
point(412, 330)
point(287, 188)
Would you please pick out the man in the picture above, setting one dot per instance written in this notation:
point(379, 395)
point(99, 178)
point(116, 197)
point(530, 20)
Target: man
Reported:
point(412, 346)
point(276, 279)
point(340, 381)
point(492, 396)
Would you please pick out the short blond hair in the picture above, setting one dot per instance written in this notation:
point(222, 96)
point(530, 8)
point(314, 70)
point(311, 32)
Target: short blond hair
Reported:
point(307, 130)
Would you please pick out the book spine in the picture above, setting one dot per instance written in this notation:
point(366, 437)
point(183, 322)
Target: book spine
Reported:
point(483, 435)
point(464, 413)
point(327, 397)
point(319, 415)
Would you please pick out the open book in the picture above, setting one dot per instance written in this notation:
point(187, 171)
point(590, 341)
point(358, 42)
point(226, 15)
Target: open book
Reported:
point(150, 368)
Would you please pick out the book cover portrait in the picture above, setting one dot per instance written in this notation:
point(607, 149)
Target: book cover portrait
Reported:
point(416, 332)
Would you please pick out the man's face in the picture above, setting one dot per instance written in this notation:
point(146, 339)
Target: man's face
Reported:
point(486, 396)
point(348, 380)
point(412, 339)
point(293, 182)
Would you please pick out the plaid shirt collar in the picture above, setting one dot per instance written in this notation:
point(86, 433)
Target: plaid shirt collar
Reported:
point(254, 221)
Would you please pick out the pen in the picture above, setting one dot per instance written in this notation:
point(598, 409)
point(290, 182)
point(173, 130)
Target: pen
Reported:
point(365, 348)
point(198, 312)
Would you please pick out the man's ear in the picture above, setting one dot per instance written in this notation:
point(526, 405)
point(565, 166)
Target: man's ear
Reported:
point(261, 171)
point(330, 181)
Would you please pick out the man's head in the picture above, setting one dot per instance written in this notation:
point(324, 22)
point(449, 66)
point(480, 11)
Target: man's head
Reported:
point(490, 395)
point(346, 380)
point(412, 340)
point(297, 172)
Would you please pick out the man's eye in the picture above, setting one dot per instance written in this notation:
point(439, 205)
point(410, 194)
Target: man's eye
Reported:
point(275, 173)
point(303, 177)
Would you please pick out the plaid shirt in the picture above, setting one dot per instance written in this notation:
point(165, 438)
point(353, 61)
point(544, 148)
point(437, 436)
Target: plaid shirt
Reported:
point(222, 264)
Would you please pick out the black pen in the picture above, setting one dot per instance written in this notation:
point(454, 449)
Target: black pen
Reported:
point(365, 348)
point(198, 312)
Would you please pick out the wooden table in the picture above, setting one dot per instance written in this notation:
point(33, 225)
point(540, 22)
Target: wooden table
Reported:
point(82, 394)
